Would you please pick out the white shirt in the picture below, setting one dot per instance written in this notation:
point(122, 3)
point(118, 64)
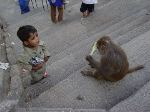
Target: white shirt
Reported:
point(89, 1)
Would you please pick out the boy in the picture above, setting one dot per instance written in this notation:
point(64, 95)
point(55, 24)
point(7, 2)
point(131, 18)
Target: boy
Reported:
point(56, 5)
point(87, 7)
point(35, 54)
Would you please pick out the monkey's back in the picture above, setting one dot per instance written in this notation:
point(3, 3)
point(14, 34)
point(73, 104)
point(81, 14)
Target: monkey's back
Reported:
point(115, 64)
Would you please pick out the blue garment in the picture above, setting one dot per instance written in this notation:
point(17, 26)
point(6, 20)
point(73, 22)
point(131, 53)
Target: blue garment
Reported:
point(24, 6)
point(57, 3)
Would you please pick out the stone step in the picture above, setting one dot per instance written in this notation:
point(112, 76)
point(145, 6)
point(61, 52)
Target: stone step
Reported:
point(8, 105)
point(36, 109)
point(12, 12)
point(113, 28)
point(72, 58)
point(71, 62)
point(99, 94)
point(138, 102)
point(131, 25)
point(77, 35)
point(117, 9)
point(133, 33)
point(43, 24)
point(45, 27)
point(34, 17)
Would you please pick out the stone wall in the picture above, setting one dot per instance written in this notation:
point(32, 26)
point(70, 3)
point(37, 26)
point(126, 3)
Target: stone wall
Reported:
point(11, 88)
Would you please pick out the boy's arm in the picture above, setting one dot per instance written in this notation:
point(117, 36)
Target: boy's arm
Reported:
point(46, 58)
point(45, 50)
point(23, 62)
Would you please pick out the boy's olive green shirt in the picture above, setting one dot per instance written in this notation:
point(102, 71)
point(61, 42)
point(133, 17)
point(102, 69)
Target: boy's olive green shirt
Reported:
point(28, 53)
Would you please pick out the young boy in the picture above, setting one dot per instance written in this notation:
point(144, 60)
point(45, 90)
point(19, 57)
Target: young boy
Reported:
point(35, 54)
point(87, 7)
point(56, 5)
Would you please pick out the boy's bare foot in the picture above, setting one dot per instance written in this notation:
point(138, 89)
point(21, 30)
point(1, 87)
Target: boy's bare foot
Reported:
point(84, 14)
point(88, 13)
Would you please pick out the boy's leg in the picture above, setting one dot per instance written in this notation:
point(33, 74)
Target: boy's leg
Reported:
point(53, 14)
point(61, 13)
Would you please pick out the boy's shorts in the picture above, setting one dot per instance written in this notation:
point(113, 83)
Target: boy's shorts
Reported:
point(89, 7)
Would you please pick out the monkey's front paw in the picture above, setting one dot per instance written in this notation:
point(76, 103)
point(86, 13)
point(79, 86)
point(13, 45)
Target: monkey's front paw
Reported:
point(91, 65)
point(88, 58)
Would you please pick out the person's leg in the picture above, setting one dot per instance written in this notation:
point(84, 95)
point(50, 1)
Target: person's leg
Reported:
point(53, 14)
point(60, 13)
point(90, 9)
point(83, 9)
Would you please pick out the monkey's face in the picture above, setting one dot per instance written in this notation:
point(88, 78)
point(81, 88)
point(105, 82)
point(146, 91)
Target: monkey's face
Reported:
point(103, 44)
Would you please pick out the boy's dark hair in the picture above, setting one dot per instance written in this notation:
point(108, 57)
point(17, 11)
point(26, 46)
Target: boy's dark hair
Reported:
point(24, 32)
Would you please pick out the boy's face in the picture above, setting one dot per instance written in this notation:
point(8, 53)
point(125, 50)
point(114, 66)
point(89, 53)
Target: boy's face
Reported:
point(33, 41)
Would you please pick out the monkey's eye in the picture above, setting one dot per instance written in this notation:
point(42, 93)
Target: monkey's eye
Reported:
point(105, 43)
point(103, 47)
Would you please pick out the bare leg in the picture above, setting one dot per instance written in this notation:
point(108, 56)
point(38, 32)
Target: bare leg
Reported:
point(93, 73)
point(61, 12)
point(53, 14)
point(88, 13)
point(84, 14)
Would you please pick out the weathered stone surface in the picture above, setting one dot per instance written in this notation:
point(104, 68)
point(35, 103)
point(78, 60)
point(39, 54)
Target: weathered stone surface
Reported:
point(100, 94)
point(70, 41)
point(4, 72)
point(8, 105)
point(138, 102)
point(16, 88)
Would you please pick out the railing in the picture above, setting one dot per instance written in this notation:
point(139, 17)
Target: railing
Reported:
point(39, 3)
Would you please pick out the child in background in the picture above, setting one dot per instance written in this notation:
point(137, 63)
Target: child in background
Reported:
point(87, 7)
point(56, 6)
point(35, 54)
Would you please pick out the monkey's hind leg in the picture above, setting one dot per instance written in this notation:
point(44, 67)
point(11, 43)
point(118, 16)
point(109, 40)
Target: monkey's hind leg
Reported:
point(97, 75)
point(87, 73)
point(92, 73)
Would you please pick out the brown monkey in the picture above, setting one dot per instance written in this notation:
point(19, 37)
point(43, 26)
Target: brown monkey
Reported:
point(113, 65)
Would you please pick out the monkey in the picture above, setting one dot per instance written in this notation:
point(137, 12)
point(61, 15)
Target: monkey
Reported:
point(113, 65)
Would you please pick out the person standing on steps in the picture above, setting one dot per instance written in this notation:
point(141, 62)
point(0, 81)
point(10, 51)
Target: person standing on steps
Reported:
point(56, 6)
point(87, 7)
point(35, 53)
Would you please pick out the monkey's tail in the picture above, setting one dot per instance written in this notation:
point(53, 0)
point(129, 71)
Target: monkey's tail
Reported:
point(135, 68)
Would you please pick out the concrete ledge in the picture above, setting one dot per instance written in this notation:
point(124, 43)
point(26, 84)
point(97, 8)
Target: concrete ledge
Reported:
point(89, 110)
point(16, 87)
point(4, 83)
point(8, 105)
point(38, 109)
point(4, 74)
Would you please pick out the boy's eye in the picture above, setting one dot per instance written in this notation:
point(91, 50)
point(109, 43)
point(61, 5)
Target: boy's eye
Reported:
point(32, 38)
point(36, 34)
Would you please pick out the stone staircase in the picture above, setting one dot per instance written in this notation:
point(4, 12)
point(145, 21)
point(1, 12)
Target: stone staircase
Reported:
point(66, 90)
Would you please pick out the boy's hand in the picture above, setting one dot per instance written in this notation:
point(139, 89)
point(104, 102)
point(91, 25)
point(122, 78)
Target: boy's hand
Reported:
point(46, 58)
point(37, 67)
